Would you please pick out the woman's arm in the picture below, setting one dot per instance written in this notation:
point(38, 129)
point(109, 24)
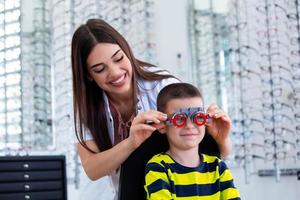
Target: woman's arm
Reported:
point(225, 147)
point(97, 165)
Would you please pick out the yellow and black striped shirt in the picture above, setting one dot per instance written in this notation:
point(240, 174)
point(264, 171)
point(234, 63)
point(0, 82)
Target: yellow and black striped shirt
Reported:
point(167, 179)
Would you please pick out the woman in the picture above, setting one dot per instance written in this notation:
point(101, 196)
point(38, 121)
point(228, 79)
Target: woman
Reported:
point(114, 95)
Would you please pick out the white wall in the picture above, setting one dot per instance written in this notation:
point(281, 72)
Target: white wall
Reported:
point(171, 34)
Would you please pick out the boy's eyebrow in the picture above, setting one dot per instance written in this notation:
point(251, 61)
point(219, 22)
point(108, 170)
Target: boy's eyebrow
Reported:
point(97, 64)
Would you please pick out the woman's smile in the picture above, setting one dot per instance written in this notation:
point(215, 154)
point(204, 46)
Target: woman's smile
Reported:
point(120, 81)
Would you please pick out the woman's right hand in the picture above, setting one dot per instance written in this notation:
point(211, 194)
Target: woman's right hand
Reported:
point(140, 130)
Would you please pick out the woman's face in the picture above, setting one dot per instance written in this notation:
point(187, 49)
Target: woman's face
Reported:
point(110, 68)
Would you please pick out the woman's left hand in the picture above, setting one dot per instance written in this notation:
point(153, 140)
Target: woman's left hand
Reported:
point(220, 126)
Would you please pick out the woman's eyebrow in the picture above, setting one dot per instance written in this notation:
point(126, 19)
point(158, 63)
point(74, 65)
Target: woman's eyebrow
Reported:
point(115, 53)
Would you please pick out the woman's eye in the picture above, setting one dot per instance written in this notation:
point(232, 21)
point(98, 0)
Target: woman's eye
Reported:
point(98, 70)
point(119, 59)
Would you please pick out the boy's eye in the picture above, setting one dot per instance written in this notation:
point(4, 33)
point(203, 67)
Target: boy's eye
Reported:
point(199, 118)
point(179, 120)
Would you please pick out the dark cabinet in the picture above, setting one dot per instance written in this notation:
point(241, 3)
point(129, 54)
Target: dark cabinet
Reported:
point(33, 177)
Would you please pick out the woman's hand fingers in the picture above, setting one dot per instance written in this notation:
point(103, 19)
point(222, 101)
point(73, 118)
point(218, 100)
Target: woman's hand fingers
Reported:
point(215, 112)
point(159, 125)
point(150, 116)
point(226, 118)
point(220, 125)
point(143, 127)
point(212, 108)
point(219, 115)
point(140, 128)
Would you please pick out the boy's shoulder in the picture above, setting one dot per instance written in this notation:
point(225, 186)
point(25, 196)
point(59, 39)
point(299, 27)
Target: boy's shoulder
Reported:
point(161, 158)
point(213, 162)
point(210, 159)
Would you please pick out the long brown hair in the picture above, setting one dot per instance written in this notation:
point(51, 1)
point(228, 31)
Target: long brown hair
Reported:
point(89, 106)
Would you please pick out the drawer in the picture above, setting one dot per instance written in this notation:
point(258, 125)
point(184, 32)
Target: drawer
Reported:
point(31, 186)
point(50, 195)
point(41, 177)
point(30, 176)
point(30, 165)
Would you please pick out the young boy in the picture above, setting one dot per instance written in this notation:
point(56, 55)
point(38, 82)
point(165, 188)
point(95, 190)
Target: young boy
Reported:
point(181, 173)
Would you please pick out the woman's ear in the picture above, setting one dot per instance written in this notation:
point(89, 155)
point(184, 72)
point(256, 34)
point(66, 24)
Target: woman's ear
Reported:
point(90, 78)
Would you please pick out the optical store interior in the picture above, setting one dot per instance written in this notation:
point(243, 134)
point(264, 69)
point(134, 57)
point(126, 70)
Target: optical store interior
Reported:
point(244, 55)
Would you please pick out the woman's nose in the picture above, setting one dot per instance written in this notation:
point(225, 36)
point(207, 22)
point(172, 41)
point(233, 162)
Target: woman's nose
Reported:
point(113, 70)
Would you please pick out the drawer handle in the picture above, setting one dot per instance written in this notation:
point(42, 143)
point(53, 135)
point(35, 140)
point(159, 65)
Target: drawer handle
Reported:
point(26, 166)
point(27, 196)
point(26, 176)
point(27, 187)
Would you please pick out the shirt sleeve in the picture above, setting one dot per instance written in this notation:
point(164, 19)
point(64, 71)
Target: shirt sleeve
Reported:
point(157, 185)
point(167, 81)
point(87, 135)
point(164, 82)
point(227, 188)
point(160, 85)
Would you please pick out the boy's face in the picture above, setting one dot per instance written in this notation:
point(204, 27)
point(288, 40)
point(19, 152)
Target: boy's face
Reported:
point(190, 135)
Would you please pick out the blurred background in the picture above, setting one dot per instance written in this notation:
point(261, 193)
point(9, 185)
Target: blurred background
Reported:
point(243, 54)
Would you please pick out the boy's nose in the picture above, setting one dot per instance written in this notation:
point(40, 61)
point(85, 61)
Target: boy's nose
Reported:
point(189, 123)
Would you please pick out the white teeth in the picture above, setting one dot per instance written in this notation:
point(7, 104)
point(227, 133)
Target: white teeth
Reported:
point(119, 80)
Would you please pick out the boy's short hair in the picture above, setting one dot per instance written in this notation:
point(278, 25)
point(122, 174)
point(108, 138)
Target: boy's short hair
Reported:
point(176, 91)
